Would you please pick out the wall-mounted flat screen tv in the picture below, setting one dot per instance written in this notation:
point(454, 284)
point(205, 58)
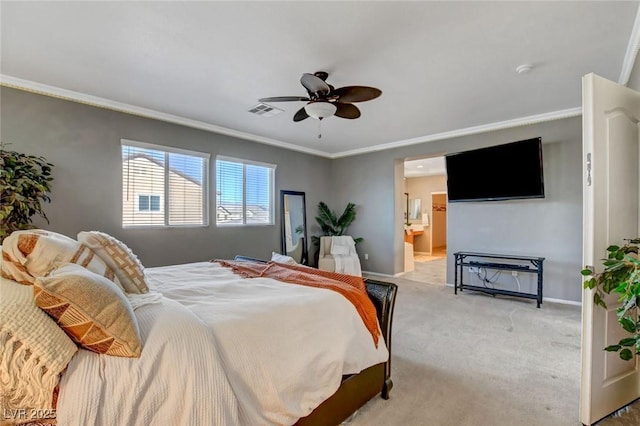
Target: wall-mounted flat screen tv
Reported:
point(500, 172)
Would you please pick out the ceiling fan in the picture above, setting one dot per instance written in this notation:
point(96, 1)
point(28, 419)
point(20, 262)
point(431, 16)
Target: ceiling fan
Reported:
point(324, 100)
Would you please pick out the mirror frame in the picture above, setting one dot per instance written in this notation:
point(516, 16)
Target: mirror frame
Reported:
point(304, 260)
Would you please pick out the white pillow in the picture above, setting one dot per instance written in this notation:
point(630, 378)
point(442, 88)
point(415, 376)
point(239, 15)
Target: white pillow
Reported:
point(118, 257)
point(33, 349)
point(34, 253)
point(281, 258)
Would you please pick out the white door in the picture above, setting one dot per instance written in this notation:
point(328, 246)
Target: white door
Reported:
point(611, 175)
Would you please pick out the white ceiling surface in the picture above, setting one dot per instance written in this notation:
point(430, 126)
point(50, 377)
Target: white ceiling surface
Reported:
point(442, 66)
point(433, 166)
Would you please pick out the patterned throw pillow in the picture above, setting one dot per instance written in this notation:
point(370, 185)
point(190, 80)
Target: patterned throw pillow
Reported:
point(118, 257)
point(92, 310)
point(33, 349)
point(29, 254)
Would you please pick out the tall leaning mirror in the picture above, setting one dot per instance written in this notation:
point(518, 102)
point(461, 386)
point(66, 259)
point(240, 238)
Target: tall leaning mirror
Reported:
point(294, 226)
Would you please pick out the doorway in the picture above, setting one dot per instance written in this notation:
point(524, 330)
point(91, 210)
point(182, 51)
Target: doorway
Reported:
point(425, 236)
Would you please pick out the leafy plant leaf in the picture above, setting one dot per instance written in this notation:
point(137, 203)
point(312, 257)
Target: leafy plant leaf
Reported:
point(597, 299)
point(628, 324)
point(626, 354)
point(629, 341)
point(24, 186)
point(331, 224)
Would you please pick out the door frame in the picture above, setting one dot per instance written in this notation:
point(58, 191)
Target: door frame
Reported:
point(432, 222)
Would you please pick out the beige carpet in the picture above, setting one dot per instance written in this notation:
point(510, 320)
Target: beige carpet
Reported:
point(472, 359)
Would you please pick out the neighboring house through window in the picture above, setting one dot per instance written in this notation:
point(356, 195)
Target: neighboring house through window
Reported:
point(149, 203)
point(244, 192)
point(163, 186)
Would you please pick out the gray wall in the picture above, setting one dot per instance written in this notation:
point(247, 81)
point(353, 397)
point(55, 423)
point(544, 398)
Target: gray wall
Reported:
point(549, 227)
point(83, 143)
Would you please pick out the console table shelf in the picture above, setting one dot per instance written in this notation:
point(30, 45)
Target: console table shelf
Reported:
point(499, 262)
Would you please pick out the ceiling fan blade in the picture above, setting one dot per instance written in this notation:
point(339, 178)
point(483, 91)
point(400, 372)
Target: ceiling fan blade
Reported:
point(284, 99)
point(314, 84)
point(300, 115)
point(356, 93)
point(346, 110)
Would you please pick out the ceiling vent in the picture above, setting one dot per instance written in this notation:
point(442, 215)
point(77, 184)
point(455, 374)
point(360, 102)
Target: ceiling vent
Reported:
point(265, 110)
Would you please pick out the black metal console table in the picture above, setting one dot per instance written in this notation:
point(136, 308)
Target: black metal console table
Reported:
point(498, 262)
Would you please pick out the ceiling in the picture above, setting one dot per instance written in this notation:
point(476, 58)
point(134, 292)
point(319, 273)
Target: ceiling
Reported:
point(444, 68)
point(433, 166)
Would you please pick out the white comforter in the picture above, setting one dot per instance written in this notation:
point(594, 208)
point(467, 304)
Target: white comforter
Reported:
point(269, 354)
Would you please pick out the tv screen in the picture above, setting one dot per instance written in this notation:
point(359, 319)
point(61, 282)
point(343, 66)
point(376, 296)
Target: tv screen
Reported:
point(501, 172)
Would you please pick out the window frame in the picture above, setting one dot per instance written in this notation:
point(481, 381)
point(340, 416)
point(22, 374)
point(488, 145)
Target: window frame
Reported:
point(160, 204)
point(164, 198)
point(272, 178)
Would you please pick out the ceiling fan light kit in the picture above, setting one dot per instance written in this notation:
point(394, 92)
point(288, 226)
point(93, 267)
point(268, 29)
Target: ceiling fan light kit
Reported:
point(320, 109)
point(324, 100)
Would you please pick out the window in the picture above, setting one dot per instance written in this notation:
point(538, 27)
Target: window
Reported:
point(244, 192)
point(163, 186)
point(149, 203)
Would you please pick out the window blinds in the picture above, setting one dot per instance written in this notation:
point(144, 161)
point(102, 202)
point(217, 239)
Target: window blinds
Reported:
point(244, 192)
point(163, 186)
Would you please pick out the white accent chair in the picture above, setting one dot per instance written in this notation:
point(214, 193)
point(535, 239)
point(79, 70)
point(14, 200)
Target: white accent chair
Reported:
point(339, 258)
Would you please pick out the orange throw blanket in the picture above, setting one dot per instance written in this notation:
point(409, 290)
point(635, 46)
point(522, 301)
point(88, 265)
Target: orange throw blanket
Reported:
point(351, 287)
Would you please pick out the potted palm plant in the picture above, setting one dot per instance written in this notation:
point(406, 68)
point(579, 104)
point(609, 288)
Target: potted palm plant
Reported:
point(331, 224)
point(24, 186)
point(621, 275)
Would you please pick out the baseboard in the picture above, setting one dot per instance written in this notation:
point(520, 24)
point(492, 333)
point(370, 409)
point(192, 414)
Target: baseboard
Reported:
point(561, 301)
point(378, 274)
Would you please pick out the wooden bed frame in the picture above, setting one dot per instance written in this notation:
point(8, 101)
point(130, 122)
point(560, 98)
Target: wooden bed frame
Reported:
point(357, 389)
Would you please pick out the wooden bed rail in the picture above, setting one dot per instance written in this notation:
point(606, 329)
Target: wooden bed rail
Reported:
point(383, 296)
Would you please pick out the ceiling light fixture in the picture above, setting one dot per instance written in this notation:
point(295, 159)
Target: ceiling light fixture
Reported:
point(320, 110)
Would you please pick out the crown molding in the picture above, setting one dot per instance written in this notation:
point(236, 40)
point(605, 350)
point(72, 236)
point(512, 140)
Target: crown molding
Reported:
point(95, 101)
point(56, 92)
point(516, 122)
point(632, 51)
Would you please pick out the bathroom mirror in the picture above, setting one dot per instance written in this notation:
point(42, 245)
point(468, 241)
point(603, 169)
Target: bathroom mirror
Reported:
point(294, 226)
point(415, 210)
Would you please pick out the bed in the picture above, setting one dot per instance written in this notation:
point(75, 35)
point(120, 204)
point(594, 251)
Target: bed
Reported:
point(218, 348)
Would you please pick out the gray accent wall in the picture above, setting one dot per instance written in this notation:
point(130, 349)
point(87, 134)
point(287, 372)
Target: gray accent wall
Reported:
point(549, 227)
point(83, 143)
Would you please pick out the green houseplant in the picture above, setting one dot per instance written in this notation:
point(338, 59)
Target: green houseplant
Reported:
point(332, 224)
point(24, 186)
point(621, 275)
